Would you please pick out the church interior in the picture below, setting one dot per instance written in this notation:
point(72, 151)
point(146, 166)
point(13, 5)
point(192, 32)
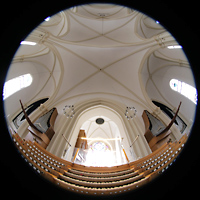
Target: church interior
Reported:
point(100, 99)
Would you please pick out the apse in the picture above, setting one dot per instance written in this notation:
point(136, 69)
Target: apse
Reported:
point(102, 125)
point(104, 142)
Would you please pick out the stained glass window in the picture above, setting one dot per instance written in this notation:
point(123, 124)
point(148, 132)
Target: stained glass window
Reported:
point(99, 146)
point(185, 89)
point(99, 155)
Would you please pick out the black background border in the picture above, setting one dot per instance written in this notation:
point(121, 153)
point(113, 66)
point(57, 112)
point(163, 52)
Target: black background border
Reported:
point(19, 18)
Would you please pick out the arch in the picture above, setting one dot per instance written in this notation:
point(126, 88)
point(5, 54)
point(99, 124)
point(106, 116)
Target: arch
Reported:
point(67, 129)
point(103, 111)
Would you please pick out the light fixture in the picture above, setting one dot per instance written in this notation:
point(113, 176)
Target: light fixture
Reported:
point(157, 22)
point(28, 43)
point(130, 112)
point(99, 121)
point(175, 47)
point(68, 110)
point(102, 14)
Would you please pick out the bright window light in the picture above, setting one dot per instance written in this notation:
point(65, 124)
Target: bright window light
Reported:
point(185, 89)
point(28, 43)
point(175, 47)
point(99, 155)
point(14, 85)
point(47, 19)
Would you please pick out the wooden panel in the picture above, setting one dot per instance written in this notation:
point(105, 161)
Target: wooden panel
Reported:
point(98, 181)
point(101, 169)
point(42, 136)
point(160, 143)
point(136, 164)
point(32, 137)
point(80, 143)
point(53, 118)
point(155, 142)
point(66, 163)
point(50, 131)
point(157, 139)
point(36, 135)
point(148, 134)
point(146, 120)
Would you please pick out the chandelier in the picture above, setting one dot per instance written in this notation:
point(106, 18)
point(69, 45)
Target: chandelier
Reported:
point(130, 112)
point(68, 110)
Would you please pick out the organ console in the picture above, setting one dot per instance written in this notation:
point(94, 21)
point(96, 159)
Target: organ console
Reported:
point(98, 181)
point(42, 130)
point(156, 133)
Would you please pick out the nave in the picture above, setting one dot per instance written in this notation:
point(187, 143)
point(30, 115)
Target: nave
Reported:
point(98, 181)
point(109, 83)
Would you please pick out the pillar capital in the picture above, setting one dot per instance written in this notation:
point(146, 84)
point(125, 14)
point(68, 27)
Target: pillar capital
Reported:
point(157, 111)
point(43, 108)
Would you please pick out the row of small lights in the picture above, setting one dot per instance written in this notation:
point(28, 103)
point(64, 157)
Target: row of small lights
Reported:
point(101, 192)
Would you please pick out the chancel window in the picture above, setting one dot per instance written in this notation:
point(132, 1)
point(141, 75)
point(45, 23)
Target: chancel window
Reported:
point(99, 155)
point(99, 146)
point(14, 85)
point(185, 89)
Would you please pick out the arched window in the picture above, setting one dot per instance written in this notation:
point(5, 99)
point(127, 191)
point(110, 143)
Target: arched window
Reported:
point(99, 146)
point(100, 155)
point(185, 89)
point(14, 85)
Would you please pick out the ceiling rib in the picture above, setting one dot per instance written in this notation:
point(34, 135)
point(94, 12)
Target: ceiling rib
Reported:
point(120, 9)
point(100, 34)
point(57, 35)
point(102, 70)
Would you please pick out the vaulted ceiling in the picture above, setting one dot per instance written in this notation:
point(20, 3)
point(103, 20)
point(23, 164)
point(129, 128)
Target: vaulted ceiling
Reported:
point(98, 51)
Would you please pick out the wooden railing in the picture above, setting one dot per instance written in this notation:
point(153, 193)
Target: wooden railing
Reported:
point(98, 180)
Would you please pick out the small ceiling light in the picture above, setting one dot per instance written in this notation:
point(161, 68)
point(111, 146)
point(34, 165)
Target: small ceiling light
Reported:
point(157, 22)
point(175, 47)
point(102, 14)
point(28, 43)
point(47, 19)
point(68, 110)
point(130, 112)
point(99, 121)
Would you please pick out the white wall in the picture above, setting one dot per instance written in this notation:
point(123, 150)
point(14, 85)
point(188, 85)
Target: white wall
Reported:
point(159, 70)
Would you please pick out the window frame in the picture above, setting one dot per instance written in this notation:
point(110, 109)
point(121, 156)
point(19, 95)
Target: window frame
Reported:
point(184, 89)
point(16, 84)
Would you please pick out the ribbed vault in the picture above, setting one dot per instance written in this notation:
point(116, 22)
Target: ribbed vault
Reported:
point(94, 53)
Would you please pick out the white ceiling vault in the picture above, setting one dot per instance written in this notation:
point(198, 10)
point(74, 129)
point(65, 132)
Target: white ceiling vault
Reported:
point(98, 51)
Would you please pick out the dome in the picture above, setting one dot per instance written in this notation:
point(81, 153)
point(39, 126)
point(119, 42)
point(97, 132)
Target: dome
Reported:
point(96, 72)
